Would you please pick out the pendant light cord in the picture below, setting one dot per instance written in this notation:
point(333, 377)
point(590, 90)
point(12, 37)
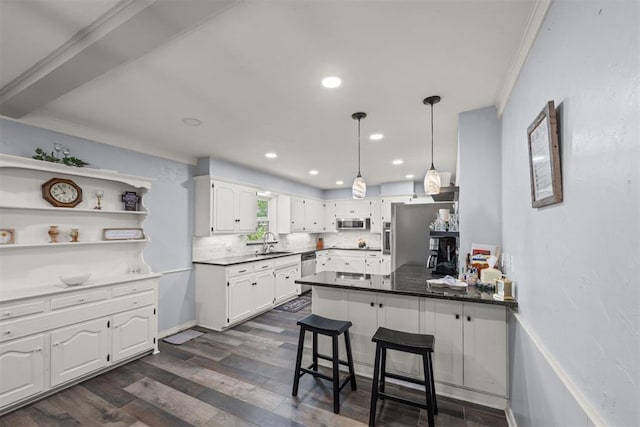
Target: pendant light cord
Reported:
point(358, 147)
point(432, 167)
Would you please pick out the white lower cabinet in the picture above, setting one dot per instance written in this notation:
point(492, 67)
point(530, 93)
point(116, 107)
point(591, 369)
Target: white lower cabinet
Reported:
point(133, 332)
point(470, 356)
point(22, 364)
point(285, 285)
point(471, 344)
point(78, 350)
point(74, 333)
point(228, 295)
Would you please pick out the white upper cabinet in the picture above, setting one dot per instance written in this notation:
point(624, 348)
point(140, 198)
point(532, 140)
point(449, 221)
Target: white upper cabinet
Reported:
point(330, 217)
point(376, 216)
point(353, 209)
point(222, 207)
point(297, 215)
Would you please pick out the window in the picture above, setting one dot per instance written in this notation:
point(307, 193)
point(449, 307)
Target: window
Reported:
point(262, 211)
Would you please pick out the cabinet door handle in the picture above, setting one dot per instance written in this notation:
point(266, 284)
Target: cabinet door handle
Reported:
point(372, 304)
point(115, 326)
point(265, 266)
point(81, 299)
point(38, 349)
point(468, 318)
point(286, 277)
point(242, 271)
point(457, 316)
point(56, 344)
point(134, 289)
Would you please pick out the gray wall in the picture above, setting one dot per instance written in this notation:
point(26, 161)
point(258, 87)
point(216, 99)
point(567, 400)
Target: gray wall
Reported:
point(576, 340)
point(479, 178)
point(170, 203)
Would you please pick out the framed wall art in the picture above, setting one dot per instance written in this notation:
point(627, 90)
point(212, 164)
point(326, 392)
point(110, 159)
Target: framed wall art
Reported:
point(544, 158)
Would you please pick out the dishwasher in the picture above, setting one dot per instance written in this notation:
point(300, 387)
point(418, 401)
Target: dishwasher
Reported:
point(308, 268)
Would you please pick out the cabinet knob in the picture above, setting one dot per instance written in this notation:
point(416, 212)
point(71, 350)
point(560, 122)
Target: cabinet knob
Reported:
point(286, 277)
point(81, 299)
point(56, 344)
point(468, 318)
point(380, 305)
point(457, 316)
point(38, 349)
point(134, 289)
point(7, 332)
point(7, 314)
point(135, 302)
point(372, 304)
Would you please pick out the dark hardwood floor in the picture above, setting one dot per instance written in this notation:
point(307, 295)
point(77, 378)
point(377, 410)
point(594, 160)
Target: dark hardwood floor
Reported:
point(241, 377)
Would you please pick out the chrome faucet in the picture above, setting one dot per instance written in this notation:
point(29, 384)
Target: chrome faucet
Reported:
point(266, 245)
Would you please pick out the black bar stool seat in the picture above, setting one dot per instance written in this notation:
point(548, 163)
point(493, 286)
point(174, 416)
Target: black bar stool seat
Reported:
point(421, 344)
point(333, 328)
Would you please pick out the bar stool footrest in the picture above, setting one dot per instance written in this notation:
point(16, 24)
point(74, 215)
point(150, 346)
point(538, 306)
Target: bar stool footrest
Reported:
point(330, 359)
point(401, 400)
point(403, 378)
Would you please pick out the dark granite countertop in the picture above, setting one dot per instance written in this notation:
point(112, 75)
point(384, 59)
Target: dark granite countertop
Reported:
point(408, 280)
point(245, 258)
point(352, 249)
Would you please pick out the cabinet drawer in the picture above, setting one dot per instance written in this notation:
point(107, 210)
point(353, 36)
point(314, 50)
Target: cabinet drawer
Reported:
point(262, 265)
point(134, 301)
point(80, 298)
point(132, 288)
point(287, 260)
point(373, 255)
point(237, 270)
point(24, 309)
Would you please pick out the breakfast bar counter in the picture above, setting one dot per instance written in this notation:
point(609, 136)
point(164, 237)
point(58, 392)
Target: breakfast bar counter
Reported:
point(409, 280)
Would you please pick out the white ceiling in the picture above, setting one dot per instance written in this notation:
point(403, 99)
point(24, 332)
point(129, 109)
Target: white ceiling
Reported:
point(251, 71)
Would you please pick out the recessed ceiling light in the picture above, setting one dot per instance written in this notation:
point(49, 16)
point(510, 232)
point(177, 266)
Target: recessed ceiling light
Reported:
point(271, 155)
point(339, 182)
point(376, 136)
point(313, 172)
point(331, 82)
point(191, 121)
point(409, 176)
point(398, 162)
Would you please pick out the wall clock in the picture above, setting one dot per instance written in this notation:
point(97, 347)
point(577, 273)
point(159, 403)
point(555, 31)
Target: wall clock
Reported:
point(62, 193)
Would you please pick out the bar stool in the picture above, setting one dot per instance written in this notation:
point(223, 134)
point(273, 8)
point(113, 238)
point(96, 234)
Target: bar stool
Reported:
point(333, 328)
point(412, 343)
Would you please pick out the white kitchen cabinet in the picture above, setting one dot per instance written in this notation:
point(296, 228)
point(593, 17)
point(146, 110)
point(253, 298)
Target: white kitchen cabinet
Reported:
point(368, 311)
point(222, 207)
point(443, 319)
point(78, 350)
point(471, 344)
point(385, 209)
point(385, 266)
point(228, 295)
point(376, 216)
point(264, 293)
point(133, 332)
point(234, 208)
point(240, 305)
point(485, 344)
point(285, 285)
point(313, 216)
point(330, 218)
point(350, 209)
point(22, 370)
point(373, 263)
point(348, 264)
point(322, 261)
point(297, 215)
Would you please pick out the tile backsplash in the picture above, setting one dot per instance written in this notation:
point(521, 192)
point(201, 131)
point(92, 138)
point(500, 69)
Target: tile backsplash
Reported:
point(223, 245)
point(349, 239)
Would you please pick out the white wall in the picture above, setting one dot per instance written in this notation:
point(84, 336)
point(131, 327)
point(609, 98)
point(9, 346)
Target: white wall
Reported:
point(170, 203)
point(479, 178)
point(576, 263)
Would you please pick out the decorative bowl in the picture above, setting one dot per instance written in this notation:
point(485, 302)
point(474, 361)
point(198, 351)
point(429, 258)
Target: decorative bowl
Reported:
point(75, 279)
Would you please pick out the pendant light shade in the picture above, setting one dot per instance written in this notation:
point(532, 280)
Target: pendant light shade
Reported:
point(359, 188)
point(432, 178)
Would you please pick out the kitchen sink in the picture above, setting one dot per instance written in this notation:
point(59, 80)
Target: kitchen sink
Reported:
point(275, 253)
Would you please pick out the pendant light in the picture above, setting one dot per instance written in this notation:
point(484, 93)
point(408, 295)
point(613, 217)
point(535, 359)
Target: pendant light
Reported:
point(359, 188)
point(432, 178)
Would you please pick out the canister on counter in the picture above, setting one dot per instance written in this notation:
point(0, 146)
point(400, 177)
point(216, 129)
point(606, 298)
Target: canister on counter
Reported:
point(504, 288)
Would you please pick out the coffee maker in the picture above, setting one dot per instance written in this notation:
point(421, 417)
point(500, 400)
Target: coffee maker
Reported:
point(443, 256)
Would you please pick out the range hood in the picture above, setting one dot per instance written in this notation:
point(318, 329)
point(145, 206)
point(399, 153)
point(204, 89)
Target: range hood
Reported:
point(447, 194)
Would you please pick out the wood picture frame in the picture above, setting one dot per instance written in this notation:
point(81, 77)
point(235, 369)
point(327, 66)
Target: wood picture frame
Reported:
point(123, 234)
point(7, 236)
point(544, 158)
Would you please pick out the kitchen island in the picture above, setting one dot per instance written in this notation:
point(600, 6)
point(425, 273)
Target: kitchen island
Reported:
point(470, 328)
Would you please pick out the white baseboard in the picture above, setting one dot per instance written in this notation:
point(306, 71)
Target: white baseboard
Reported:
point(511, 419)
point(176, 329)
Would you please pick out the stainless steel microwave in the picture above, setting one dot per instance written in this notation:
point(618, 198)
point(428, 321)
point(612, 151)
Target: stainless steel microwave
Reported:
point(353, 224)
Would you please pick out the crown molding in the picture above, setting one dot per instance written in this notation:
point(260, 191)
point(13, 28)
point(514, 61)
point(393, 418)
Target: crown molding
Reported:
point(538, 13)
